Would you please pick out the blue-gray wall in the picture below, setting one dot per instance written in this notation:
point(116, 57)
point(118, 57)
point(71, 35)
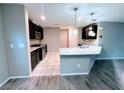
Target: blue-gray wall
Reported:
point(15, 34)
point(113, 40)
point(14, 31)
point(3, 62)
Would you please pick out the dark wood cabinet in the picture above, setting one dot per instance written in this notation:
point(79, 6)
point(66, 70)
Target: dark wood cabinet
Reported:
point(33, 59)
point(40, 30)
point(38, 55)
point(31, 30)
point(34, 30)
point(45, 48)
point(85, 31)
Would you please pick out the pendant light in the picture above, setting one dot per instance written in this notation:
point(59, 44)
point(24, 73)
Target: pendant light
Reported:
point(91, 32)
point(42, 12)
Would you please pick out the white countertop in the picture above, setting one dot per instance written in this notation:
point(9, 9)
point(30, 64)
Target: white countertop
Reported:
point(35, 48)
point(87, 50)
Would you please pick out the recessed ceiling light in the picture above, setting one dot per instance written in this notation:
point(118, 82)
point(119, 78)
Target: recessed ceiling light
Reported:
point(43, 17)
point(79, 18)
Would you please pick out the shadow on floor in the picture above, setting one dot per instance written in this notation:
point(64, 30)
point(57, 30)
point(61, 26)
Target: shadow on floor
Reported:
point(101, 77)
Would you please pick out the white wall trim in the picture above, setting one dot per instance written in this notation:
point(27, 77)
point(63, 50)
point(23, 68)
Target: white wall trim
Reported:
point(27, 41)
point(4, 82)
point(13, 77)
point(67, 74)
point(110, 58)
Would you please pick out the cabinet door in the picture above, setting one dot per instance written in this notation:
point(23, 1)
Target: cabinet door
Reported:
point(31, 30)
point(42, 35)
point(40, 54)
point(46, 48)
point(40, 29)
point(33, 59)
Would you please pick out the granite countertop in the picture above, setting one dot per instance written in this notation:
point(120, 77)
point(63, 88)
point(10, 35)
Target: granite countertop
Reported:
point(36, 47)
point(90, 50)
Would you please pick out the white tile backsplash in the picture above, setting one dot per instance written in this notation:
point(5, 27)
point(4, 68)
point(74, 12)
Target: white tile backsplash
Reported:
point(32, 42)
point(88, 42)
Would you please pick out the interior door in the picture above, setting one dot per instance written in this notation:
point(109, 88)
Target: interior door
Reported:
point(64, 38)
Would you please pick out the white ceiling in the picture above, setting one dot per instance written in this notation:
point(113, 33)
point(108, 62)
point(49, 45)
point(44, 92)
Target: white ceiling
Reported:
point(63, 14)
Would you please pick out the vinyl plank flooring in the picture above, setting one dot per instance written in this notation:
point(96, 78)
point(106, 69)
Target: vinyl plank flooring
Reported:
point(104, 75)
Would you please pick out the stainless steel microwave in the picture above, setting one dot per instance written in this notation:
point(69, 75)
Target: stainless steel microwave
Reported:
point(37, 35)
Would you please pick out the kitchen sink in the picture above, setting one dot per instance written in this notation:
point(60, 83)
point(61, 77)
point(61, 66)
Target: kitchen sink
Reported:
point(84, 46)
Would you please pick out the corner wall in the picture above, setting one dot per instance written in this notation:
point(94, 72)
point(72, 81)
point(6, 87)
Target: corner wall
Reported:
point(14, 23)
point(3, 62)
point(112, 40)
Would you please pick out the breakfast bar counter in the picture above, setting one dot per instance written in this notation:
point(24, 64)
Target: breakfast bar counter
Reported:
point(78, 60)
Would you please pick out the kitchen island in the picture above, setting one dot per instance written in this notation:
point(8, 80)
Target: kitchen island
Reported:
point(79, 60)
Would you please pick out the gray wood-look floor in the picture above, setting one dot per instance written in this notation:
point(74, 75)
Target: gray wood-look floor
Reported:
point(105, 75)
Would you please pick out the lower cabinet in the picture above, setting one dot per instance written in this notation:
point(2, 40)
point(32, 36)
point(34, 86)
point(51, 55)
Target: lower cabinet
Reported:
point(38, 55)
point(45, 49)
point(33, 59)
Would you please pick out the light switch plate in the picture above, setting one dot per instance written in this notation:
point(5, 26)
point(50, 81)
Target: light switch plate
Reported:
point(11, 46)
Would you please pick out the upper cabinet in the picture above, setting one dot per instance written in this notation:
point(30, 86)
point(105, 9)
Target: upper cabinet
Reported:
point(31, 30)
point(90, 31)
point(39, 29)
point(35, 31)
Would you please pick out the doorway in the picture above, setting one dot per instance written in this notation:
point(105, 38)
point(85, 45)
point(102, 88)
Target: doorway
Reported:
point(64, 40)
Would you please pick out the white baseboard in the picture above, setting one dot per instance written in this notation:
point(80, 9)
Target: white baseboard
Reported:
point(110, 58)
point(71, 74)
point(4, 82)
point(13, 77)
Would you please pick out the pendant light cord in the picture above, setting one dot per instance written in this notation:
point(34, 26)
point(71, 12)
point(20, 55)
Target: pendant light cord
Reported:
point(42, 9)
point(92, 19)
point(75, 19)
